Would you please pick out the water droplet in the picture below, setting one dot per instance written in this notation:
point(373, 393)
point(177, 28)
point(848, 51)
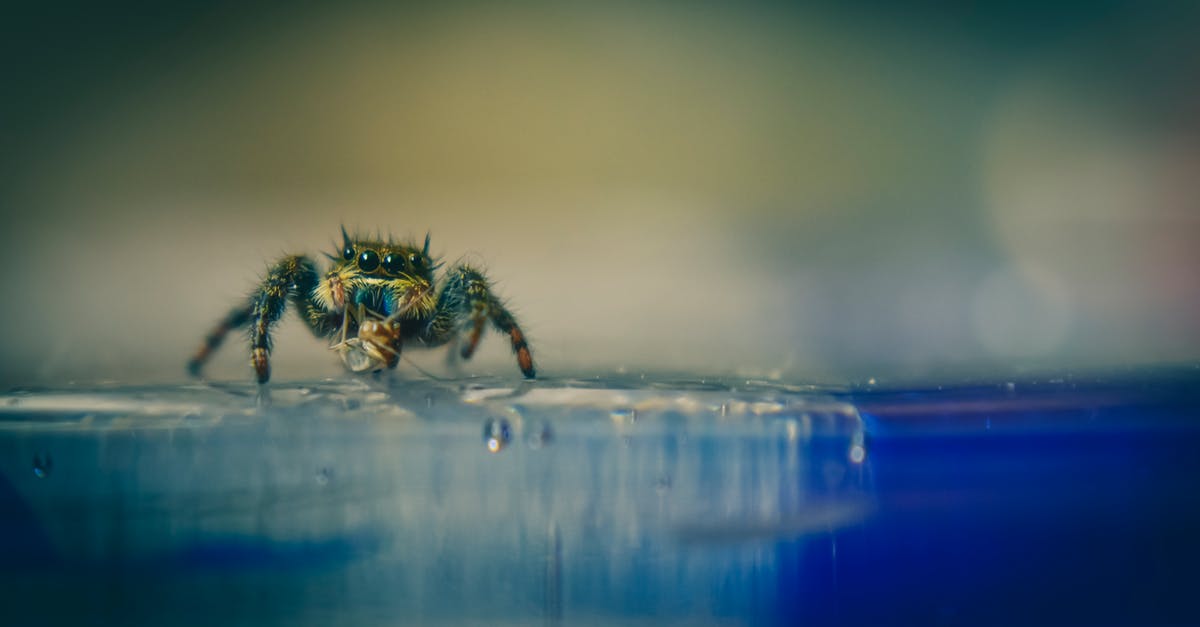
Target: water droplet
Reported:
point(324, 475)
point(626, 415)
point(1010, 387)
point(42, 466)
point(858, 448)
point(871, 381)
point(540, 436)
point(496, 434)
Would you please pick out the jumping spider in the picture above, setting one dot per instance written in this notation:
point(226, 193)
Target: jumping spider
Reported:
point(378, 295)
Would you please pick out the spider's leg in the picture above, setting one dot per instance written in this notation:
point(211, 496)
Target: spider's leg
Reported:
point(293, 276)
point(465, 305)
point(506, 323)
point(478, 318)
point(236, 318)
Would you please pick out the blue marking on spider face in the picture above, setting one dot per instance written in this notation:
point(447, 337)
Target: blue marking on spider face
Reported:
point(375, 299)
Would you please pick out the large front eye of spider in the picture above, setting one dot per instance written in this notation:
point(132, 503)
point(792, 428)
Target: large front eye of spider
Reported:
point(394, 263)
point(368, 260)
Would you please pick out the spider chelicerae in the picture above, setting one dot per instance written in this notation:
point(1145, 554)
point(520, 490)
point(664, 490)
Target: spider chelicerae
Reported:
point(378, 296)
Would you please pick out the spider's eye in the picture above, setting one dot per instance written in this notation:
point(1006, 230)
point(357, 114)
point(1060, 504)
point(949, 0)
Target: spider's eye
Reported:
point(393, 263)
point(368, 260)
point(348, 253)
point(415, 260)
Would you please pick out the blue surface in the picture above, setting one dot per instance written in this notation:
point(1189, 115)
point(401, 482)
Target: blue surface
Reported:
point(1059, 500)
point(1068, 502)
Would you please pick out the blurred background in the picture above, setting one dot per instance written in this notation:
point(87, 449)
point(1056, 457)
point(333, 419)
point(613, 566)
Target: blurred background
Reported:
point(809, 192)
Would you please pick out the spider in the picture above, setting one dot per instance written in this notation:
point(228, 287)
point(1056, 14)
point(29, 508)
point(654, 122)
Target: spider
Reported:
point(378, 295)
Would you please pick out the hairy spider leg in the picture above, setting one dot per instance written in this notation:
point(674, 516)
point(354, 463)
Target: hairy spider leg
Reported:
point(235, 319)
point(321, 322)
point(466, 303)
point(295, 277)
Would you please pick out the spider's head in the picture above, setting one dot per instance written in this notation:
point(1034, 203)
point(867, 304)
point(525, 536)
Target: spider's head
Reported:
point(386, 260)
point(387, 277)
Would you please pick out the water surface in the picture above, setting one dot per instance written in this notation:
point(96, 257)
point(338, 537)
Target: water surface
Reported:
point(601, 500)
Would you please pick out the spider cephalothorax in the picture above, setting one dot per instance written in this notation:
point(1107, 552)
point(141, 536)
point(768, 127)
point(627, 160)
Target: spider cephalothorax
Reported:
point(378, 295)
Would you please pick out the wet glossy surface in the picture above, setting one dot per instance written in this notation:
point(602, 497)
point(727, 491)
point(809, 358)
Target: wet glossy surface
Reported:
point(607, 500)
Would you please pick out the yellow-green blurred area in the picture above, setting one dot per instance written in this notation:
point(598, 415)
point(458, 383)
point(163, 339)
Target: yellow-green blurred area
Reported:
point(799, 191)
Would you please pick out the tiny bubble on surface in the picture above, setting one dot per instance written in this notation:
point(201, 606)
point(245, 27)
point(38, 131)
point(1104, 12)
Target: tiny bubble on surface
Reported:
point(496, 434)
